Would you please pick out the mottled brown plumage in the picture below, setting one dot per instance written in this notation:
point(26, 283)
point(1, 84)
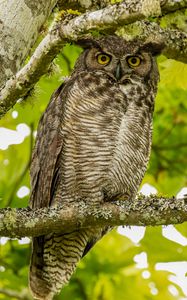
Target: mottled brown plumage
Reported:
point(93, 143)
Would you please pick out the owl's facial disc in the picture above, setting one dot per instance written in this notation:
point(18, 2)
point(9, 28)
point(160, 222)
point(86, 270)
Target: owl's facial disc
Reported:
point(121, 67)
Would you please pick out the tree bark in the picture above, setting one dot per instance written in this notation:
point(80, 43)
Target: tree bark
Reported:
point(83, 5)
point(20, 222)
point(20, 23)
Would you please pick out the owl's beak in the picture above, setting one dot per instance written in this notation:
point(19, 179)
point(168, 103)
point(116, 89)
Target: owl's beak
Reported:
point(118, 73)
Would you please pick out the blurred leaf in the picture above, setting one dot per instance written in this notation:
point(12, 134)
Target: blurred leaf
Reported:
point(174, 73)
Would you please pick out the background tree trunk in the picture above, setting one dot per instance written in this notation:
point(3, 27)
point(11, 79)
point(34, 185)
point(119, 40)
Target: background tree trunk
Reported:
point(20, 23)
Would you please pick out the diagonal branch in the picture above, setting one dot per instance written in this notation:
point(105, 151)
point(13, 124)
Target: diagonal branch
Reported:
point(21, 295)
point(19, 222)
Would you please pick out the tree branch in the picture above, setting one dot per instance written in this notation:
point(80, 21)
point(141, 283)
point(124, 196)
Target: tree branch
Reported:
point(23, 295)
point(110, 17)
point(19, 222)
point(83, 5)
point(175, 40)
point(172, 5)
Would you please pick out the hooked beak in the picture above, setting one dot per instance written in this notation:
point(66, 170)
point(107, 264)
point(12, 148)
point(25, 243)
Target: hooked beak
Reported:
point(118, 73)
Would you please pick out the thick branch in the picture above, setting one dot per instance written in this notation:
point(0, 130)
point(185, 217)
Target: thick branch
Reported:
point(175, 40)
point(142, 211)
point(104, 19)
point(172, 5)
point(110, 17)
point(82, 5)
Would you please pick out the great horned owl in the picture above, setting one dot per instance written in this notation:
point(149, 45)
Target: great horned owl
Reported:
point(93, 143)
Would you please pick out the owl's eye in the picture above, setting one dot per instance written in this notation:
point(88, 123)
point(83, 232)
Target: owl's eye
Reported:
point(133, 61)
point(103, 59)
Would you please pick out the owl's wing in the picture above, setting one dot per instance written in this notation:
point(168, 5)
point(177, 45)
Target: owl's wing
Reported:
point(44, 166)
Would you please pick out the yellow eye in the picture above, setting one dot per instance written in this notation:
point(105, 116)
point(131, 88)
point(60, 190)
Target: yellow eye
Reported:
point(103, 59)
point(134, 61)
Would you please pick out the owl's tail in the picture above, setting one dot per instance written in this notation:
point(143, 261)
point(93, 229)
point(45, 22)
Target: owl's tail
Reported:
point(54, 259)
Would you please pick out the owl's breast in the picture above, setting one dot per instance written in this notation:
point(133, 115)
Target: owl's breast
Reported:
point(106, 147)
point(132, 151)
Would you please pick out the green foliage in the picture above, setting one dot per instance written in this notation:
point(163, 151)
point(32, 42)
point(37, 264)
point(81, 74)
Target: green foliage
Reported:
point(115, 1)
point(167, 170)
point(109, 271)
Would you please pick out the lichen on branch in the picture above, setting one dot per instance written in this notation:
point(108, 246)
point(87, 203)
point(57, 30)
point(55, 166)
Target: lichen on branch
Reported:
point(143, 211)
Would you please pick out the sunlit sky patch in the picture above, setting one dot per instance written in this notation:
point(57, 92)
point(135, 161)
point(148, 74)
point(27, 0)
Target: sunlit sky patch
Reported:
point(14, 114)
point(3, 240)
point(141, 260)
point(171, 233)
point(6, 162)
point(134, 233)
point(182, 192)
point(9, 137)
point(173, 290)
point(148, 189)
point(23, 191)
point(24, 240)
point(179, 270)
point(153, 289)
point(146, 274)
point(2, 269)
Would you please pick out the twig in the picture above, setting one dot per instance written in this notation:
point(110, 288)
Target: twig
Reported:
point(15, 294)
point(169, 147)
point(25, 79)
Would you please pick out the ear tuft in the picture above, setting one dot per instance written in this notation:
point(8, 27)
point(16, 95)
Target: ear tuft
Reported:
point(155, 47)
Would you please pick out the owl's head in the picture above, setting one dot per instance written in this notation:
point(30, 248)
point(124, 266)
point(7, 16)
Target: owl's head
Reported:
point(123, 61)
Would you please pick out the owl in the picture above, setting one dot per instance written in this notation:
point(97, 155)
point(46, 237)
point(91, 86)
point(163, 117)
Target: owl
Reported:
point(93, 143)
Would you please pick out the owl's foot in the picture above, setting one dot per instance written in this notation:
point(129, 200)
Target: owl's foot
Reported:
point(117, 197)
